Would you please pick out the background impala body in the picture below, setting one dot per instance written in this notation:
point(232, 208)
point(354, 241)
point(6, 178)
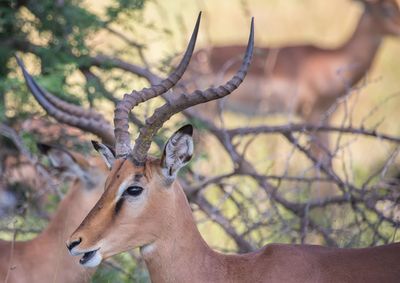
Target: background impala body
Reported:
point(304, 79)
point(44, 259)
point(20, 169)
point(144, 206)
point(300, 80)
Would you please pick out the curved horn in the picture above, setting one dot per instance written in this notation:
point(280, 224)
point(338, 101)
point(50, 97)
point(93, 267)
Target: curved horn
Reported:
point(70, 114)
point(184, 101)
point(133, 99)
point(62, 105)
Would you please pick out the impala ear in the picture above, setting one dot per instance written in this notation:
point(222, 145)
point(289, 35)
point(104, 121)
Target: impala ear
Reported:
point(70, 163)
point(59, 158)
point(64, 160)
point(177, 152)
point(106, 152)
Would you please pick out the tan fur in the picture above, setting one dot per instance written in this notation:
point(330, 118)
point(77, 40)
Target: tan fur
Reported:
point(161, 223)
point(45, 259)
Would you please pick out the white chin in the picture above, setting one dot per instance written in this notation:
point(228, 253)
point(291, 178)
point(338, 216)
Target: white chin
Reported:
point(94, 261)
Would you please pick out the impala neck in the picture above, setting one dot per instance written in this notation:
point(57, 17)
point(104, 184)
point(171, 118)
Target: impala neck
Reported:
point(51, 241)
point(69, 213)
point(181, 253)
point(360, 50)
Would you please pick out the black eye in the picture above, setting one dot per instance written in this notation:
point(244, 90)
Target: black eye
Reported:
point(133, 191)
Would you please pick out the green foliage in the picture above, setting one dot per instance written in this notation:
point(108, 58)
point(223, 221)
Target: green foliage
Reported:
point(121, 269)
point(57, 33)
point(123, 5)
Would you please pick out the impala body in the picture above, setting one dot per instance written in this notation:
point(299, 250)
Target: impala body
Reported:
point(144, 206)
point(160, 221)
point(44, 259)
point(300, 80)
point(304, 79)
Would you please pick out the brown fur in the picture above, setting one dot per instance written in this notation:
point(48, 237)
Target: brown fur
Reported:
point(163, 226)
point(45, 259)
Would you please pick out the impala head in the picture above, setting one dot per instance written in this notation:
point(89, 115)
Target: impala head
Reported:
point(386, 15)
point(139, 201)
point(88, 173)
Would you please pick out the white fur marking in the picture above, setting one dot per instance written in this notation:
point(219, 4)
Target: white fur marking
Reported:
point(94, 261)
point(177, 150)
point(107, 155)
point(122, 189)
point(147, 249)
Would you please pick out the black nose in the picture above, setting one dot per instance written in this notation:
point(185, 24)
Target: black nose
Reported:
point(74, 244)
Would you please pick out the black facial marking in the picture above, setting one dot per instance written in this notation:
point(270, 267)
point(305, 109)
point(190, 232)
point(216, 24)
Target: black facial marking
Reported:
point(170, 171)
point(118, 206)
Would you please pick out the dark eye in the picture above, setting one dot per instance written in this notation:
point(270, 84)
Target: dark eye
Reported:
point(133, 191)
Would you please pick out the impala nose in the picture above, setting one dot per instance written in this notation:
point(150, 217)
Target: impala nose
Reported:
point(73, 244)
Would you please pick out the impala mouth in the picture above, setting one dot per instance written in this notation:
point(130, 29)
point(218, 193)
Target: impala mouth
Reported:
point(91, 258)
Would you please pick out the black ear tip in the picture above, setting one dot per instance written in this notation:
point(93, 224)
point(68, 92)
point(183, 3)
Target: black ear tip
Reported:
point(96, 145)
point(43, 148)
point(187, 129)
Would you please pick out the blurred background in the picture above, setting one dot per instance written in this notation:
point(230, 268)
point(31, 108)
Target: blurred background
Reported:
point(247, 190)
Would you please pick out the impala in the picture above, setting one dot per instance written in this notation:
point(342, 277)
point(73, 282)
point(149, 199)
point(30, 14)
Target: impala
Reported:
point(44, 258)
point(304, 80)
point(19, 169)
point(144, 206)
